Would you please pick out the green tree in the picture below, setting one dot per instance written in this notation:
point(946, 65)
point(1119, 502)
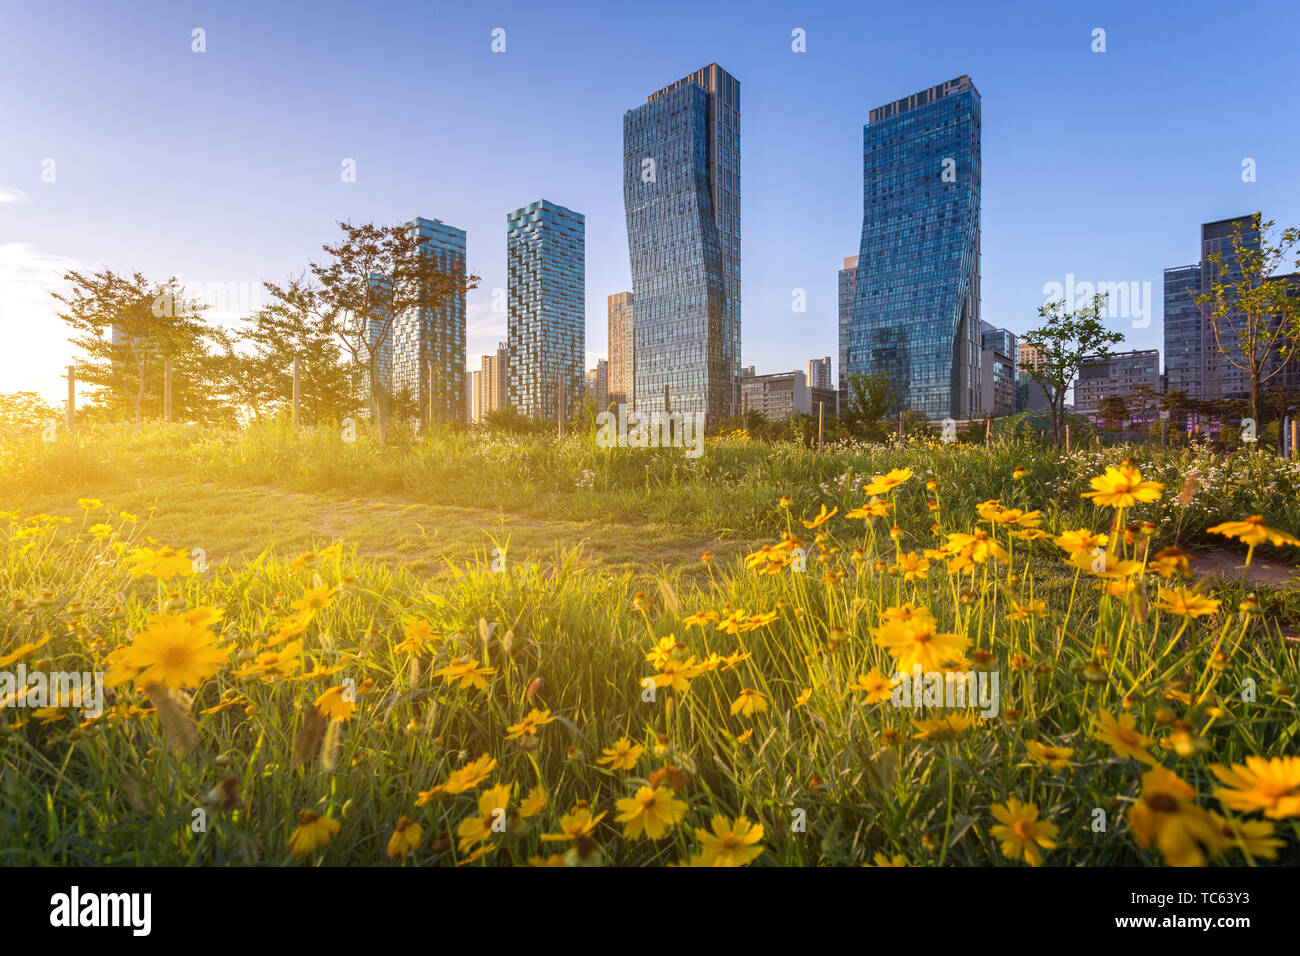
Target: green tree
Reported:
point(127, 328)
point(1254, 312)
point(1062, 342)
point(868, 400)
point(1113, 412)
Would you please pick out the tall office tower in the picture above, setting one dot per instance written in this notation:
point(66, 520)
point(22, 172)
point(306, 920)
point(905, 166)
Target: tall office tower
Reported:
point(819, 372)
point(1184, 332)
point(999, 393)
point(428, 345)
point(847, 285)
point(917, 291)
point(622, 367)
point(545, 260)
point(681, 192)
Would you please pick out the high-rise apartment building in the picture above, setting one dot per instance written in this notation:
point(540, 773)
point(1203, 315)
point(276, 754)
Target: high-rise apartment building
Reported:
point(819, 372)
point(1118, 375)
point(428, 344)
point(598, 384)
point(490, 383)
point(681, 192)
point(622, 349)
point(999, 391)
point(546, 278)
point(917, 283)
point(848, 277)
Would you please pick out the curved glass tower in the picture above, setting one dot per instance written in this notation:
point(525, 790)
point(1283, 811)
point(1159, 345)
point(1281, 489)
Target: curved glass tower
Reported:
point(681, 190)
point(917, 294)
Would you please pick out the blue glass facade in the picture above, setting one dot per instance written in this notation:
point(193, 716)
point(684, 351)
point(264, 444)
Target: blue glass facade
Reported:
point(428, 345)
point(1184, 332)
point(847, 288)
point(916, 297)
point(681, 191)
point(546, 278)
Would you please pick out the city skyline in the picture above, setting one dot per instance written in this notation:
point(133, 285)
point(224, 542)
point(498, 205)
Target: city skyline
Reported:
point(255, 205)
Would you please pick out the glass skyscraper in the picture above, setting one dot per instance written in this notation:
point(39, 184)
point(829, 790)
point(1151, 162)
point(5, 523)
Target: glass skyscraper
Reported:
point(681, 191)
point(848, 281)
point(622, 350)
point(546, 278)
point(1184, 332)
point(916, 311)
point(428, 345)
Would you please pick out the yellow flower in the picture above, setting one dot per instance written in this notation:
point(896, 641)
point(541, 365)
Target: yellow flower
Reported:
point(1056, 758)
point(578, 822)
point(279, 663)
point(458, 781)
point(406, 837)
point(967, 550)
point(1167, 815)
point(1121, 736)
point(1082, 540)
point(875, 508)
point(1030, 609)
point(942, 728)
point(316, 599)
point(313, 830)
point(1122, 487)
point(912, 566)
point(1270, 786)
point(803, 698)
point(875, 685)
point(527, 726)
point(1186, 602)
point(1253, 532)
point(466, 670)
point(622, 756)
point(175, 650)
point(1250, 836)
point(880, 859)
point(337, 703)
point(90, 504)
point(1021, 832)
point(730, 844)
point(749, 703)
point(822, 517)
point(533, 803)
point(650, 812)
point(163, 563)
point(917, 641)
point(677, 674)
point(492, 804)
point(22, 650)
point(884, 484)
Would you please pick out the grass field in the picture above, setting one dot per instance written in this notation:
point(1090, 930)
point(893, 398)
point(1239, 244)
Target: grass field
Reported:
point(479, 648)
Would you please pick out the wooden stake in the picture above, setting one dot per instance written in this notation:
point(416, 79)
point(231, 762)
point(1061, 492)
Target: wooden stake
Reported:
point(821, 412)
point(297, 380)
point(167, 392)
point(1067, 439)
point(72, 398)
point(1295, 432)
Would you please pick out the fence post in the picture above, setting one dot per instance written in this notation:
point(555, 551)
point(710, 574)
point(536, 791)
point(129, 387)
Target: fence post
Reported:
point(988, 431)
point(821, 412)
point(72, 397)
point(1067, 439)
point(297, 379)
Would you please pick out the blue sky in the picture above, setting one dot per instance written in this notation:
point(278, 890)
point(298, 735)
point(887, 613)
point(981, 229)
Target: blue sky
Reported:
point(224, 166)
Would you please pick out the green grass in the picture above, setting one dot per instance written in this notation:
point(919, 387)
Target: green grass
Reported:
point(832, 780)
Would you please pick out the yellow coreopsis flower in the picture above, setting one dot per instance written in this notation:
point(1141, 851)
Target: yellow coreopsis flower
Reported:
point(89, 504)
point(677, 674)
point(162, 563)
point(1056, 758)
point(917, 641)
point(884, 484)
point(406, 837)
point(881, 860)
point(528, 725)
point(942, 728)
point(622, 756)
point(1167, 815)
point(1028, 610)
point(533, 803)
point(175, 650)
point(337, 703)
point(730, 844)
point(492, 804)
point(875, 684)
point(1121, 736)
point(1270, 786)
point(276, 663)
point(651, 813)
point(578, 822)
point(458, 781)
point(749, 703)
point(875, 508)
point(1122, 487)
point(1082, 540)
point(1254, 532)
point(912, 566)
point(466, 670)
point(1186, 602)
point(823, 516)
point(23, 650)
point(1021, 832)
point(312, 831)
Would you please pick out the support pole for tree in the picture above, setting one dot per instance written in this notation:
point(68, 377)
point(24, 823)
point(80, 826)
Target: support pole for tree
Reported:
point(471, 398)
point(1295, 433)
point(72, 397)
point(988, 431)
point(821, 413)
point(559, 406)
point(1067, 439)
point(297, 385)
point(901, 415)
point(1164, 434)
point(167, 392)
